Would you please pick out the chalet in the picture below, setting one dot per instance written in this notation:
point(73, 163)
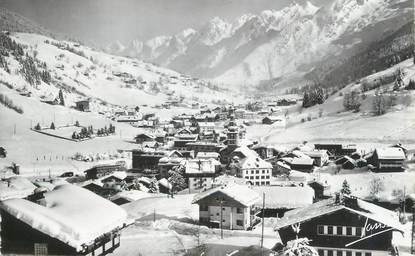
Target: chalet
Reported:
point(143, 160)
point(266, 152)
point(114, 181)
point(66, 221)
point(15, 187)
point(286, 102)
point(166, 163)
point(200, 174)
point(342, 226)
point(102, 170)
point(142, 137)
point(387, 159)
point(336, 150)
point(303, 164)
point(271, 119)
point(82, 105)
point(181, 140)
point(279, 167)
point(321, 189)
point(320, 157)
point(251, 167)
point(346, 162)
point(202, 146)
point(229, 207)
point(206, 126)
point(280, 199)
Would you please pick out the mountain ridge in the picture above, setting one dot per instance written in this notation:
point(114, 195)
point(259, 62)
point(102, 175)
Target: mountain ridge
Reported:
point(265, 46)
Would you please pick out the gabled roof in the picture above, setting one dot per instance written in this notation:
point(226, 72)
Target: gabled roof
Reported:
point(330, 205)
point(73, 215)
point(390, 153)
point(255, 162)
point(288, 197)
point(240, 193)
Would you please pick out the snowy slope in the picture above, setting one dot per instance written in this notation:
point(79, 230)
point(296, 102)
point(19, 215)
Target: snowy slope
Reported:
point(272, 44)
point(336, 124)
point(80, 77)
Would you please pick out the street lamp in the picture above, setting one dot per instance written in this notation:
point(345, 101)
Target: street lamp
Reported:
point(221, 201)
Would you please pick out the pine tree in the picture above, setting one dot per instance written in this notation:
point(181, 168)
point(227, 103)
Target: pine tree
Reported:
point(37, 127)
point(177, 179)
point(345, 188)
point(299, 247)
point(61, 99)
point(52, 126)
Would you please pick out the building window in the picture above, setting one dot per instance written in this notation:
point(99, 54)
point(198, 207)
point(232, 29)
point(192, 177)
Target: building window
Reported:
point(359, 233)
point(329, 253)
point(41, 249)
point(349, 253)
point(349, 231)
point(368, 254)
point(239, 222)
point(204, 208)
point(263, 171)
point(217, 214)
point(339, 231)
point(239, 210)
point(257, 171)
point(320, 230)
point(330, 230)
point(339, 253)
point(320, 252)
point(358, 254)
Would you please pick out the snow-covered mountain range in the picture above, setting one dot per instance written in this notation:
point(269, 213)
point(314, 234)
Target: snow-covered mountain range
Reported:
point(272, 44)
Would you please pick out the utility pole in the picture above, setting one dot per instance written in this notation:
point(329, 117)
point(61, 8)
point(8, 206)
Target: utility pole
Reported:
point(262, 228)
point(413, 231)
point(221, 201)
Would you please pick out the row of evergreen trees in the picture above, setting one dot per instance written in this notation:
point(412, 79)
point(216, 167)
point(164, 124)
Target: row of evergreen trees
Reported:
point(314, 95)
point(87, 132)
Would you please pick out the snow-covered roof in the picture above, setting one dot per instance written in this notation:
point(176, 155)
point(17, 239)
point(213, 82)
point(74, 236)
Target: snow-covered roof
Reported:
point(200, 166)
point(15, 187)
point(240, 193)
point(288, 197)
point(328, 206)
point(207, 155)
point(390, 153)
point(255, 162)
point(72, 214)
point(131, 195)
point(299, 160)
point(244, 150)
point(165, 183)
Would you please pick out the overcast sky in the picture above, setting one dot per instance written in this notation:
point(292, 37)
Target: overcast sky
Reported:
point(104, 21)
